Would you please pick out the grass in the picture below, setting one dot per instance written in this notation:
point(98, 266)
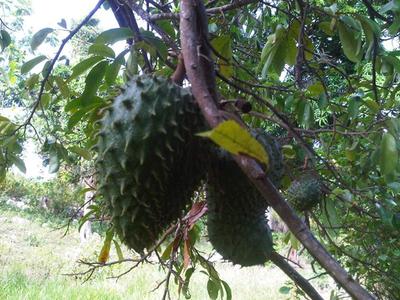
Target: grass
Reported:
point(34, 256)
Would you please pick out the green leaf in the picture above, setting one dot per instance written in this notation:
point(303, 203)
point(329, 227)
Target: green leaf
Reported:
point(166, 25)
point(39, 37)
point(351, 40)
point(316, 89)
point(388, 154)
point(330, 211)
point(354, 105)
point(5, 39)
point(372, 105)
point(285, 290)
point(167, 252)
point(85, 218)
point(132, 63)
point(227, 290)
point(185, 287)
point(32, 81)
point(101, 50)
point(235, 139)
point(291, 52)
point(19, 163)
point(212, 289)
point(54, 162)
point(105, 250)
point(223, 45)
point(64, 89)
point(75, 118)
point(29, 65)
point(112, 72)
point(118, 250)
point(84, 65)
point(93, 81)
point(385, 215)
point(155, 42)
point(45, 100)
point(111, 36)
point(294, 242)
point(81, 152)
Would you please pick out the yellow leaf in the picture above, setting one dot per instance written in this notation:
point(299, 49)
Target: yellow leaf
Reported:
point(230, 136)
point(105, 250)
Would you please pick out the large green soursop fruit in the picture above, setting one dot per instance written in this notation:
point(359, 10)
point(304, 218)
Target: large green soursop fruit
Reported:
point(305, 193)
point(148, 163)
point(237, 225)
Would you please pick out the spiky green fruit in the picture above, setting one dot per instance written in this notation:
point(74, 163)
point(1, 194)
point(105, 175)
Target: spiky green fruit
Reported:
point(147, 161)
point(305, 193)
point(236, 222)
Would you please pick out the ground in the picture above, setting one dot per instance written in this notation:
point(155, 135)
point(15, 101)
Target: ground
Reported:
point(34, 255)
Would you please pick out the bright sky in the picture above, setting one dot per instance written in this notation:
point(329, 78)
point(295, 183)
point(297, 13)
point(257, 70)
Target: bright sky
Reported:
point(47, 13)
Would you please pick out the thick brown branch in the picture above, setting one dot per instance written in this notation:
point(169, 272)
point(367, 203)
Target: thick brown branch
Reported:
point(196, 72)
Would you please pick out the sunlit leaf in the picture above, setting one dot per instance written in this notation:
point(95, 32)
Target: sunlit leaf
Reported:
point(222, 45)
point(39, 37)
point(84, 65)
point(64, 89)
point(388, 154)
point(19, 163)
point(118, 250)
point(29, 65)
point(81, 152)
point(111, 36)
point(212, 289)
point(235, 139)
point(227, 290)
point(112, 72)
point(350, 39)
point(105, 250)
point(101, 50)
point(5, 39)
point(54, 162)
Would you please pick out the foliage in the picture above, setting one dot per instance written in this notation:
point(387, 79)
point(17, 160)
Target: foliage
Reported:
point(63, 197)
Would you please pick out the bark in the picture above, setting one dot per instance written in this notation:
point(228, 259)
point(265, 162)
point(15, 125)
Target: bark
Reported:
point(193, 36)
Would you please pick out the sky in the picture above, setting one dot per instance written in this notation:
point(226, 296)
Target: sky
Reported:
point(47, 13)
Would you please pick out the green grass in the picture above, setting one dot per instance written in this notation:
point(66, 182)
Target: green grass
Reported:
point(34, 256)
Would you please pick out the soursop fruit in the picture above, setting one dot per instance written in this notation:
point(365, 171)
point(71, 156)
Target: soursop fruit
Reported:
point(305, 193)
point(236, 222)
point(148, 158)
